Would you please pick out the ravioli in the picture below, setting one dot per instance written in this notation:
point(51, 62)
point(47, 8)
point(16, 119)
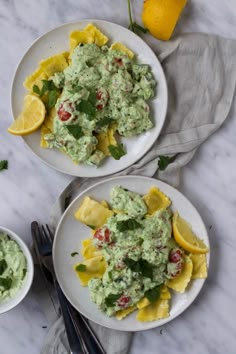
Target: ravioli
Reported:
point(155, 311)
point(181, 282)
point(124, 313)
point(55, 63)
point(105, 139)
point(95, 268)
point(156, 200)
point(199, 266)
point(93, 213)
point(89, 250)
point(122, 48)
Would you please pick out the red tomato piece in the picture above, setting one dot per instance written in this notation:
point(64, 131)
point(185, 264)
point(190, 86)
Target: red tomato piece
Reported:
point(175, 256)
point(99, 107)
point(123, 300)
point(103, 235)
point(119, 61)
point(63, 114)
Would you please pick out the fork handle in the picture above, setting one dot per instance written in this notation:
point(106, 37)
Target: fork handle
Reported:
point(77, 345)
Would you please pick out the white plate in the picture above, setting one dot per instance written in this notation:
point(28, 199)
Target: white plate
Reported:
point(57, 41)
point(70, 233)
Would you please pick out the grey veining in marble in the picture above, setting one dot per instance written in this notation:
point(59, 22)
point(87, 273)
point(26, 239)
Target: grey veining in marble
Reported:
point(29, 188)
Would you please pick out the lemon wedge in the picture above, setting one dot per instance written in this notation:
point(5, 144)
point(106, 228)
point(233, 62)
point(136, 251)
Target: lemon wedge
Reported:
point(185, 237)
point(160, 17)
point(30, 118)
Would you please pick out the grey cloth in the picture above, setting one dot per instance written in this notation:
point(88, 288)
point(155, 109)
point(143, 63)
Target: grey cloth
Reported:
point(201, 75)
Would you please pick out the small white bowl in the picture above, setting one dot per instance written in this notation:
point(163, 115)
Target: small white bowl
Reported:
point(22, 292)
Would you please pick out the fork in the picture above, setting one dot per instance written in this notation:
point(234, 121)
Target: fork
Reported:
point(80, 335)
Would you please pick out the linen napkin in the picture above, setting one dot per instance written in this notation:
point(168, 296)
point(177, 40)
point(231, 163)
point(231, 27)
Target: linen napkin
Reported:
point(201, 75)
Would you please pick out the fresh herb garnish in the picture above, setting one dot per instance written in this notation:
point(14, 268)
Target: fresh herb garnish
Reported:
point(3, 266)
point(49, 88)
point(92, 97)
point(133, 26)
point(164, 161)
point(130, 224)
point(6, 283)
point(153, 294)
point(76, 89)
point(111, 299)
point(92, 227)
point(81, 268)
point(141, 266)
point(24, 271)
point(117, 151)
point(87, 107)
point(75, 130)
point(3, 165)
point(74, 254)
point(104, 121)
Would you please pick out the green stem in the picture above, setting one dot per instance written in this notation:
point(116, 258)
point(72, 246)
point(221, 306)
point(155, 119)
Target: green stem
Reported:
point(130, 13)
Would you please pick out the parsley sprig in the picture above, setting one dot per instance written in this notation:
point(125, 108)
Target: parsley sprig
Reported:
point(3, 165)
point(141, 266)
point(117, 151)
point(75, 130)
point(164, 161)
point(133, 26)
point(111, 299)
point(130, 224)
point(153, 294)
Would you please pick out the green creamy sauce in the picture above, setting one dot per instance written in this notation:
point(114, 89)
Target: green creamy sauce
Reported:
point(13, 267)
point(100, 87)
point(138, 254)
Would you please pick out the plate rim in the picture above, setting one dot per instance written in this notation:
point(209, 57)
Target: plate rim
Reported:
point(87, 174)
point(153, 324)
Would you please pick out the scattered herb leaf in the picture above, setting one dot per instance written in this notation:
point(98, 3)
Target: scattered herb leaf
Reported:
point(104, 121)
point(164, 161)
point(36, 90)
point(87, 107)
point(133, 26)
point(3, 266)
point(153, 294)
point(74, 254)
point(75, 130)
point(3, 165)
point(24, 271)
point(141, 266)
point(6, 283)
point(92, 227)
point(117, 151)
point(52, 98)
point(130, 224)
point(111, 299)
point(76, 88)
point(93, 97)
point(81, 268)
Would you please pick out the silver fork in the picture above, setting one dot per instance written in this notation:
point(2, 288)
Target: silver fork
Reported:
point(81, 338)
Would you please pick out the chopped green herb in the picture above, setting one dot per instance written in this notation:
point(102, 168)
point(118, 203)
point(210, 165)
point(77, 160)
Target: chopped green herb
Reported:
point(111, 299)
point(130, 224)
point(6, 283)
point(153, 294)
point(52, 98)
point(76, 88)
point(164, 161)
point(75, 130)
point(81, 268)
point(24, 271)
point(110, 275)
point(74, 254)
point(141, 266)
point(117, 151)
point(3, 165)
point(87, 107)
point(104, 121)
point(3, 266)
point(93, 97)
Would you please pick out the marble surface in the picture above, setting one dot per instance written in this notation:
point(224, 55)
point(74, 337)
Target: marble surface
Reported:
point(29, 188)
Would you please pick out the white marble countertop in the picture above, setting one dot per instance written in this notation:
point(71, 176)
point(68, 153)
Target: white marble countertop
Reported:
point(29, 188)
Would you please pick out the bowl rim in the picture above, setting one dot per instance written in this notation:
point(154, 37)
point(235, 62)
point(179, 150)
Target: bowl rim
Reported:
point(23, 291)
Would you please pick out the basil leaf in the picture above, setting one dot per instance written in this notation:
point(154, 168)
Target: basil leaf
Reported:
point(164, 161)
point(3, 165)
point(74, 254)
point(3, 266)
point(75, 131)
point(111, 299)
point(130, 224)
point(6, 283)
point(117, 151)
point(36, 90)
point(24, 271)
point(104, 121)
point(52, 98)
point(153, 294)
point(87, 107)
point(93, 97)
point(141, 266)
point(81, 268)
